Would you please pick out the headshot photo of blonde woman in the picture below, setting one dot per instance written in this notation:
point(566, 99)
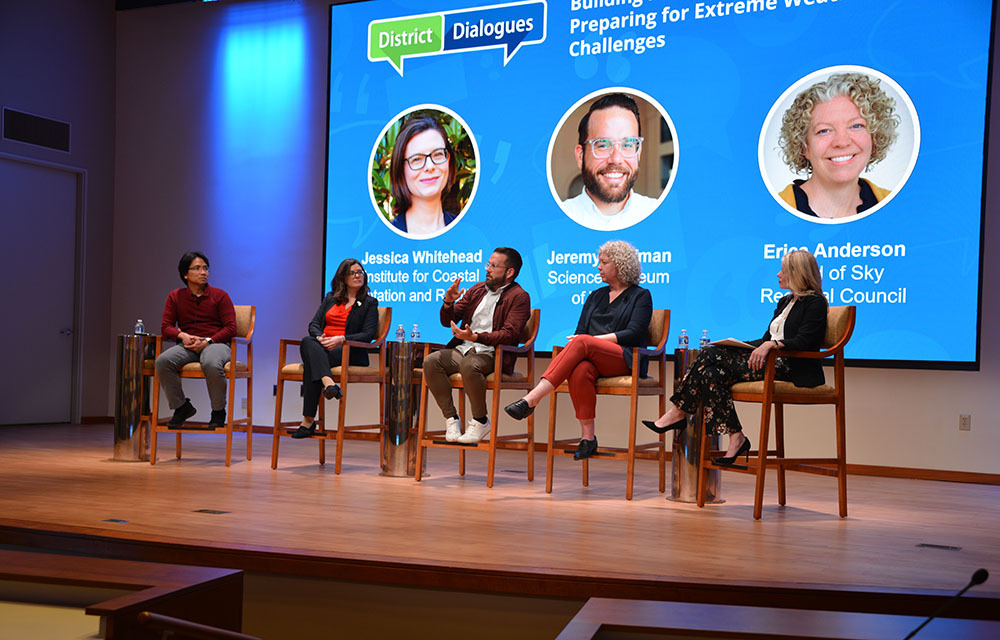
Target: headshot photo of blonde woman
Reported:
point(839, 145)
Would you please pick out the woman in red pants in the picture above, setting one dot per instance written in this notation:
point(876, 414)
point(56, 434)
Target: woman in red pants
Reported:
point(614, 320)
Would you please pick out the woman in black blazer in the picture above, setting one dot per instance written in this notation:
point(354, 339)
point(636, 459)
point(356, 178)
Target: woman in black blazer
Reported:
point(348, 312)
point(798, 324)
point(614, 320)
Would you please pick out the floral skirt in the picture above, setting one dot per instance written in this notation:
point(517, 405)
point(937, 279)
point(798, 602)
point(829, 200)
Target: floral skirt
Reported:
point(706, 385)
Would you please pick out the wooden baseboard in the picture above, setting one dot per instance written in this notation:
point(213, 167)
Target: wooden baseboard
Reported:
point(97, 420)
point(924, 474)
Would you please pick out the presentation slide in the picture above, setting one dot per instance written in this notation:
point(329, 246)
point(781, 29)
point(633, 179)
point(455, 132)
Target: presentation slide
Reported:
point(713, 136)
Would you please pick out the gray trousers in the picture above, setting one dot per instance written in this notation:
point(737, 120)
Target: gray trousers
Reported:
point(213, 359)
point(474, 368)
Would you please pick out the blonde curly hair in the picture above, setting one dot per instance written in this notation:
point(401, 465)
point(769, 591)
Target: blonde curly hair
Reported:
point(877, 108)
point(625, 258)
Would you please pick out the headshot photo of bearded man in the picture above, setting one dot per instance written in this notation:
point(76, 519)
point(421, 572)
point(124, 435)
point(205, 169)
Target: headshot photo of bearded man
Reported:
point(612, 160)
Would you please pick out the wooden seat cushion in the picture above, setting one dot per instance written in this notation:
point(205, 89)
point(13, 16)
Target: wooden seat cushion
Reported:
point(517, 376)
point(296, 370)
point(194, 366)
point(784, 388)
point(625, 382)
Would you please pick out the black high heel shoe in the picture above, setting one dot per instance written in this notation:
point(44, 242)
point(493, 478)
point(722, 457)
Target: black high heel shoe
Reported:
point(729, 460)
point(332, 392)
point(651, 425)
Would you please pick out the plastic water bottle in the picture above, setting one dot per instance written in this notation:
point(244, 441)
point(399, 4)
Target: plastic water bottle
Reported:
point(400, 333)
point(703, 342)
point(682, 340)
point(140, 328)
point(415, 334)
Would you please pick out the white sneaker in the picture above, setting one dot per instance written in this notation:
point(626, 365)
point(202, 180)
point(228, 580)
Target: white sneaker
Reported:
point(453, 429)
point(474, 432)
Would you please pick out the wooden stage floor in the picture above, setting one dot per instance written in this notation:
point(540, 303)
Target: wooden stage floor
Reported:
point(60, 491)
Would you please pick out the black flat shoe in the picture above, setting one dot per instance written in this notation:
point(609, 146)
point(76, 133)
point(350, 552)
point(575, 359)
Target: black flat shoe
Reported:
point(218, 419)
point(729, 460)
point(651, 425)
point(585, 449)
point(519, 410)
point(332, 392)
point(304, 432)
point(182, 413)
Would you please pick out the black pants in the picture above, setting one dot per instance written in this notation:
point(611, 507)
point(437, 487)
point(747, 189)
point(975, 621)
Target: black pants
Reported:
point(316, 363)
point(707, 384)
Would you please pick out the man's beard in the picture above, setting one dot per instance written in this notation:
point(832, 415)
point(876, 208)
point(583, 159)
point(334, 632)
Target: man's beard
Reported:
point(495, 284)
point(602, 191)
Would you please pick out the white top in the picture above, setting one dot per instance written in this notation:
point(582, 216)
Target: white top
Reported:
point(583, 211)
point(777, 327)
point(482, 321)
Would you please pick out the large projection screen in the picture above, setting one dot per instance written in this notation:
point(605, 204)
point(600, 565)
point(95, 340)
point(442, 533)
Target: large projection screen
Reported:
point(722, 92)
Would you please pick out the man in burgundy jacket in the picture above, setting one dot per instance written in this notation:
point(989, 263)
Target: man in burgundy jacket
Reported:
point(202, 320)
point(490, 313)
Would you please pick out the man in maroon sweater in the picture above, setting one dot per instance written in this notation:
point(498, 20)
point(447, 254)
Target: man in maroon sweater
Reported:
point(202, 320)
point(491, 313)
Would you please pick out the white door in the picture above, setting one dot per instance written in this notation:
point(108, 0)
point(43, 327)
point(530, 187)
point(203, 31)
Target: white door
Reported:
point(37, 259)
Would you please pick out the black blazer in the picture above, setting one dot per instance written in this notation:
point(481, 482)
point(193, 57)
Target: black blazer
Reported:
point(362, 325)
point(805, 329)
point(630, 323)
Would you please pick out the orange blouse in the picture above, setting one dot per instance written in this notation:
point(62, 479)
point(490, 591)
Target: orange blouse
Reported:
point(336, 320)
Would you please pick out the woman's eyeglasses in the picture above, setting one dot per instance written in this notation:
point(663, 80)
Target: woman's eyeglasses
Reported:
point(418, 160)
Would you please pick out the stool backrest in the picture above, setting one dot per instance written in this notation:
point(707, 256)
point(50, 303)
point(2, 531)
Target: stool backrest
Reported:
point(384, 320)
point(246, 315)
point(839, 320)
point(659, 324)
point(530, 327)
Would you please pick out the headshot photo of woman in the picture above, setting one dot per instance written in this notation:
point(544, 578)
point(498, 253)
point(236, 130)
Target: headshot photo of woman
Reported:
point(831, 138)
point(423, 173)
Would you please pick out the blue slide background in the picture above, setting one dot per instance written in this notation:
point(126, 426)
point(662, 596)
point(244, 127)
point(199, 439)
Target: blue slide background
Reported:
point(717, 78)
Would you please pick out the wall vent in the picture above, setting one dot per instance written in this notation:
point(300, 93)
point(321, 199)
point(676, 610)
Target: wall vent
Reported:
point(36, 130)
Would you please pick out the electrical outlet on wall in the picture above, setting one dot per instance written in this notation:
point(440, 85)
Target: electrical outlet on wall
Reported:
point(965, 422)
point(243, 403)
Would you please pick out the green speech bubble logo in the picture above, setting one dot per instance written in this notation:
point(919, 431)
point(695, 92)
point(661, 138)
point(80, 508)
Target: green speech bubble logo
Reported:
point(393, 39)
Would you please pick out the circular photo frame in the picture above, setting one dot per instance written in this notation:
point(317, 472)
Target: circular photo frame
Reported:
point(453, 176)
point(880, 181)
point(648, 180)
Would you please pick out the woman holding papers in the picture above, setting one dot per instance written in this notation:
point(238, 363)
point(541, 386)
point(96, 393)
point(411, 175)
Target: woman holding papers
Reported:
point(799, 324)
